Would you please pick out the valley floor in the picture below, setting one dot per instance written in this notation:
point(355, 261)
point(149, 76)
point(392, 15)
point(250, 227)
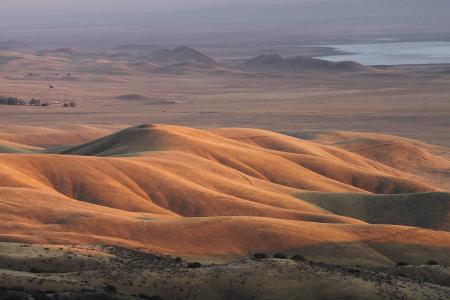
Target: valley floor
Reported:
point(405, 101)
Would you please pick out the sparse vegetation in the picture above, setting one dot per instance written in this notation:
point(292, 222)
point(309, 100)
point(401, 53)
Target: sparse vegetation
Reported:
point(194, 265)
point(402, 264)
point(260, 255)
point(175, 282)
point(70, 104)
point(298, 257)
point(14, 101)
point(280, 256)
point(35, 270)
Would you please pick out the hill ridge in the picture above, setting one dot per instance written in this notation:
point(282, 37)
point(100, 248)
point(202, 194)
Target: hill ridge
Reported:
point(276, 62)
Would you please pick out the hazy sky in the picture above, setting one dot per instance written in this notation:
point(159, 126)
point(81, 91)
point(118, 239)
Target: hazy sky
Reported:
point(120, 21)
point(86, 6)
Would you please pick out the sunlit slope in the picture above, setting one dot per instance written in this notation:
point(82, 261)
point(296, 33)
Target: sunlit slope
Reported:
point(417, 160)
point(220, 193)
point(36, 217)
point(161, 184)
point(303, 165)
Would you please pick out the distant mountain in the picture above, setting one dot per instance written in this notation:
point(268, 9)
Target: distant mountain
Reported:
point(275, 62)
point(181, 55)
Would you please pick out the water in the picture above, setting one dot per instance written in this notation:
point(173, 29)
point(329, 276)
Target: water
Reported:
point(394, 53)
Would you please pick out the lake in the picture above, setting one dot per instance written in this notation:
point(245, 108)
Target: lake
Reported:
point(394, 53)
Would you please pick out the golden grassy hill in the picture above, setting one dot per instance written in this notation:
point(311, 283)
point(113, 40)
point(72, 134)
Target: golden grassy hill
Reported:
point(222, 193)
point(417, 160)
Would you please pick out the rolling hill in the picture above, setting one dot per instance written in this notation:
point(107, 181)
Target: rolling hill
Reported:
point(222, 193)
point(275, 62)
point(181, 55)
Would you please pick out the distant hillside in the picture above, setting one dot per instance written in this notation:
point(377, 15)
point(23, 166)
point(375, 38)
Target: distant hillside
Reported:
point(181, 55)
point(65, 52)
point(275, 62)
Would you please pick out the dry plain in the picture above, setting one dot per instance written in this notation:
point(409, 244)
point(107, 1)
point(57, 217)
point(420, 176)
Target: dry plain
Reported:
point(409, 101)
